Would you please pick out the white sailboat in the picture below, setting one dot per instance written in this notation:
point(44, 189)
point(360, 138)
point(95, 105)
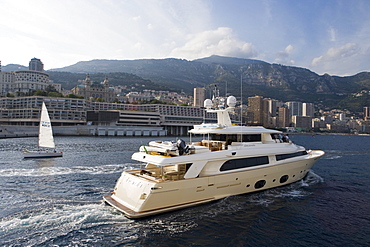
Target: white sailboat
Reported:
point(46, 140)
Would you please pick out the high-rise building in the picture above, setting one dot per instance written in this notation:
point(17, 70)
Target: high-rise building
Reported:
point(366, 113)
point(295, 108)
point(258, 110)
point(199, 96)
point(302, 122)
point(308, 110)
point(284, 117)
point(36, 65)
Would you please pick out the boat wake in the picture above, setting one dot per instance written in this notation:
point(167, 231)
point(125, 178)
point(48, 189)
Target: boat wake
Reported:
point(46, 171)
point(85, 224)
point(290, 192)
point(187, 219)
point(55, 223)
point(338, 154)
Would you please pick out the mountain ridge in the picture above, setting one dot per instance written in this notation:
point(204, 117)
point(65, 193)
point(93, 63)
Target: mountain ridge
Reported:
point(277, 81)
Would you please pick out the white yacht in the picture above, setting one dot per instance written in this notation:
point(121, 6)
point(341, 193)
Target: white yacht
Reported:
point(230, 160)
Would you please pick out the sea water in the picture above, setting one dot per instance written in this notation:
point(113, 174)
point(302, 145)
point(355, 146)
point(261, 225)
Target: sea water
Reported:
point(58, 202)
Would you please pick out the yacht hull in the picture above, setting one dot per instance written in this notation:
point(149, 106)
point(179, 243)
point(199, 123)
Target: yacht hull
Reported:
point(137, 197)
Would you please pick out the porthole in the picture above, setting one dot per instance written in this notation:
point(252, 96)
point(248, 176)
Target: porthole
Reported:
point(259, 184)
point(284, 178)
point(273, 180)
point(248, 185)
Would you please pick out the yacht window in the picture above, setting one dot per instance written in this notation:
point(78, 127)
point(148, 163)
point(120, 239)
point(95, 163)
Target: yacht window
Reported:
point(252, 138)
point(217, 137)
point(259, 184)
point(237, 138)
point(287, 156)
point(244, 162)
point(187, 166)
point(284, 178)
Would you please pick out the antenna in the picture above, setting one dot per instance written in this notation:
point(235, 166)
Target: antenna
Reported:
point(226, 89)
point(241, 98)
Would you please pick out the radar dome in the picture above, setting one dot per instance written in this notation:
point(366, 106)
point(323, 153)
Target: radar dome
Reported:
point(208, 103)
point(231, 101)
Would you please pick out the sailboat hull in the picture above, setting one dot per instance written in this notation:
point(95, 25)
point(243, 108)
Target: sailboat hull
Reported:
point(42, 154)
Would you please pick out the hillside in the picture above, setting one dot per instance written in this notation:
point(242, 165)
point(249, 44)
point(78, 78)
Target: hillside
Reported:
point(131, 81)
point(281, 82)
point(13, 67)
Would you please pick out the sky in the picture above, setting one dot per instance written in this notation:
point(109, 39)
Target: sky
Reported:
point(325, 36)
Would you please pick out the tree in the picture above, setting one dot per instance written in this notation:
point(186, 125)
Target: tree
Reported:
point(50, 88)
point(55, 94)
point(20, 94)
point(40, 93)
point(73, 96)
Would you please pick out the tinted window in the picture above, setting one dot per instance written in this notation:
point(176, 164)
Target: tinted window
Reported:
point(287, 156)
point(243, 163)
point(260, 184)
point(237, 138)
point(284, 178)
point(252, 138)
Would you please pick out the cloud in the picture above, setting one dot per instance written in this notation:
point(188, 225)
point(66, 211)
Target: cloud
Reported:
point(221, 41)
point(332, 34)
point(283, 57)
point(345, 60)
point(336, 54)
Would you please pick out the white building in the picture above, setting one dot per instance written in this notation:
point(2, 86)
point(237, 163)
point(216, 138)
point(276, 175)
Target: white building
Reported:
point(26, 81)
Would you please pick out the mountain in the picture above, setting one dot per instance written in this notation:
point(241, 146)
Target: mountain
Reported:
point(13, 67)
point(176, 74)
point(130, 81)
point(285, 83)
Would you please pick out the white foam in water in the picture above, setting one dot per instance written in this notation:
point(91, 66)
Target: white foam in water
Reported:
point(332, 157)
point(45, 171)
point(311, 179)
point(50, 223)
point(294, 190)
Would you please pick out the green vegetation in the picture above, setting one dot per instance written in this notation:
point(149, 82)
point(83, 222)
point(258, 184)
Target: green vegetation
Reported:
point(275, 81)
point(355, 102)
point(73, 96)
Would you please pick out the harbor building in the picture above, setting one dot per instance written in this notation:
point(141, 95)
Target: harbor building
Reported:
point(71, 112)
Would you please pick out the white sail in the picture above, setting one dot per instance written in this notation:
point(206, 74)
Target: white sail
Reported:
point(46, 139)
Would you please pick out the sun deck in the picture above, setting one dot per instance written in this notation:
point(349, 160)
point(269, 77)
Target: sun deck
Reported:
point(161, 174)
